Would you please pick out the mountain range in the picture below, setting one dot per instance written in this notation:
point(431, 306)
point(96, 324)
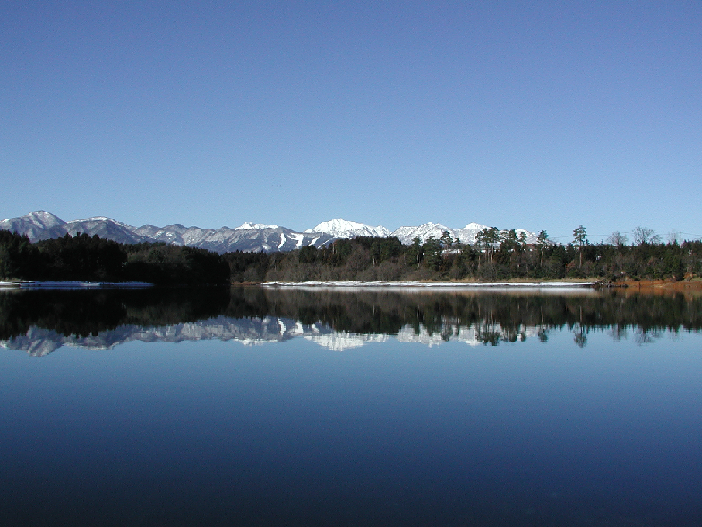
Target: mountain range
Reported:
point(248, 237)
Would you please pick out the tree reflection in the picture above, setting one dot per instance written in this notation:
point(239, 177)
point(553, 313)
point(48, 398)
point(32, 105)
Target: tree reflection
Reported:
point(580, 336)
point(480, 317)
point(646, 335)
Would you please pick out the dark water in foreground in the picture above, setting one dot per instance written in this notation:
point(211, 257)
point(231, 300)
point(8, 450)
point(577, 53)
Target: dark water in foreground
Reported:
point(316, 408)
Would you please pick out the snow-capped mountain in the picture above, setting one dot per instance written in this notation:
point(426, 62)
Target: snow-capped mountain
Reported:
point(255, 226)
point(339, 228)
point(469, 232)
point(42, 225)
point(248, 237)
point(38, 225)
point(423, 232)
point(104, 228)
point(465, 235)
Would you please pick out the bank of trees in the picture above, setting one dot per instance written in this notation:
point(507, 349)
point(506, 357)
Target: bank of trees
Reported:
point(496, 255)
point(84, 257)
point(17, 255)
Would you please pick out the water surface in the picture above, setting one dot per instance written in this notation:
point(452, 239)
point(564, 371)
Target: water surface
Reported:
point(256, 407)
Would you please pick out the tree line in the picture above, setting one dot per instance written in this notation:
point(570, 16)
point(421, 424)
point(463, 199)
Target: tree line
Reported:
point(496, 255)
point(91, 258)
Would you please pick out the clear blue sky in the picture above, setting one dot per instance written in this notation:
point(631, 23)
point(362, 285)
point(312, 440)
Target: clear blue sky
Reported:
point(526, 114)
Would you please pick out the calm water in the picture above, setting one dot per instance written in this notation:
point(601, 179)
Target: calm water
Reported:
point(256, 407)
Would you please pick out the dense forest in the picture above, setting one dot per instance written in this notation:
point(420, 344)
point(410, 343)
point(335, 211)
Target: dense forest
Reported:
point(502, 256)
point(83, 257)
point(496, 255)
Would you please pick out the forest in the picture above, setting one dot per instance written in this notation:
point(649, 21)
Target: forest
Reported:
point(91, 258)
point(496, 256)
point(493, 258)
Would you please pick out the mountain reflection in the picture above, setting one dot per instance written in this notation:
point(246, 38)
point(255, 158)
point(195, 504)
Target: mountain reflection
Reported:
point(40, 322)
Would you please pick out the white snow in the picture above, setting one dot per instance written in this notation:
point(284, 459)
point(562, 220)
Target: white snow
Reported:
point(104, 219)
point(255, 226)
point(300, 238)
point(440, 285)
point(423, 232)
point(340, 228)
point(35, 222)
point(74, 284)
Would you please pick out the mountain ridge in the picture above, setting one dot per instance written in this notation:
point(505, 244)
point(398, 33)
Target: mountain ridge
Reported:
point(341, 228)
point(248, 237)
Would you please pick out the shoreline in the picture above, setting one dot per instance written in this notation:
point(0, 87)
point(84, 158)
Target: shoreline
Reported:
point(346, 284)
point(73, 284)
point(683, 286)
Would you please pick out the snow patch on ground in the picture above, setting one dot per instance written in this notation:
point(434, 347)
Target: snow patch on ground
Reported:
point(438, 285)
point(82, 285)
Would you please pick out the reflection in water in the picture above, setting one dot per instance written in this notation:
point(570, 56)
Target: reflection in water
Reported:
point(194, 434)
point(43, 321)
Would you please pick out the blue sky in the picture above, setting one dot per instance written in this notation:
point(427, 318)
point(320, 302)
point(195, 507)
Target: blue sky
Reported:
point(525, 114)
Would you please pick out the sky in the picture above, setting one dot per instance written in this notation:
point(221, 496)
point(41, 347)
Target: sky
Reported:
point(514, 114)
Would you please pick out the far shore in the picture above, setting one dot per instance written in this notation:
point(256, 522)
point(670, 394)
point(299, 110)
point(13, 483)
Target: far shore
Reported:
point(73, 284)
point(441, 285)
point(662, 286)
point(649, 286)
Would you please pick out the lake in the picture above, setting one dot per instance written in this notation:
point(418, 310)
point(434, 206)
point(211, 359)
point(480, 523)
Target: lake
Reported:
point(256, 406)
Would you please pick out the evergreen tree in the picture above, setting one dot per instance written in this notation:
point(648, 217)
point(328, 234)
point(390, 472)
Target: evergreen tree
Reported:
point(580, 239)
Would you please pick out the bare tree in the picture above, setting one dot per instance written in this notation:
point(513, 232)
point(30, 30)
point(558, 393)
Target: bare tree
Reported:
point(673, 237)
point(617, 238)
point(644, 235)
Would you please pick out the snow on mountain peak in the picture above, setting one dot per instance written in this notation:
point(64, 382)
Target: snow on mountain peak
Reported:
point(423, 232)
point(476, 226)
point(248, 237)
point(340, 228)
point(255, 226)
point(43, 218)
